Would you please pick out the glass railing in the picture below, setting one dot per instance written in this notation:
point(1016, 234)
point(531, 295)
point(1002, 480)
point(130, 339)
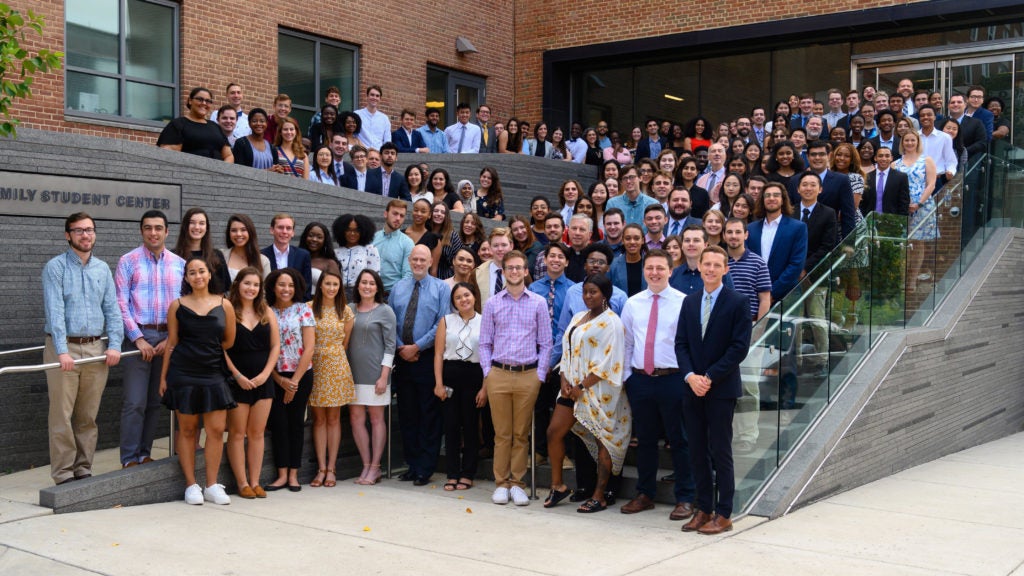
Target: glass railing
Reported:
point(890, 273)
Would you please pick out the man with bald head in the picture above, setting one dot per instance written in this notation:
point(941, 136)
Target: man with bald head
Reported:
point(419, 303)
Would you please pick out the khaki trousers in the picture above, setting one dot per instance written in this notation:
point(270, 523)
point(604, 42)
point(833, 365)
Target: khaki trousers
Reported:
point(74, 402)
point(511, 396)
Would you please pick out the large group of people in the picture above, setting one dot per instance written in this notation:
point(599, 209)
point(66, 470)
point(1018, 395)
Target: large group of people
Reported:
point(619, 312)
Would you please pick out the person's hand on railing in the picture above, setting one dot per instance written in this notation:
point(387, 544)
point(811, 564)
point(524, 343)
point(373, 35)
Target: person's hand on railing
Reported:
point(145, 349)
point(67, 363)
point(113, 357)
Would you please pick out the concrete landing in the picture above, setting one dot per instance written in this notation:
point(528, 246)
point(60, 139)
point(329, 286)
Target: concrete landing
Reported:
point(962, 514)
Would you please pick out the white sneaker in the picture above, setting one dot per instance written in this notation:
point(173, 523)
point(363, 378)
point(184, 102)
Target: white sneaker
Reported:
point(216, 494)
point(500, 495)
point(193, 494)
point(519, 496)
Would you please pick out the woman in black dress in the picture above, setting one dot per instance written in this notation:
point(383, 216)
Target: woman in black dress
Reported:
point(200, 326)
point(251, 361)
point(194, 240)
point(193, 133)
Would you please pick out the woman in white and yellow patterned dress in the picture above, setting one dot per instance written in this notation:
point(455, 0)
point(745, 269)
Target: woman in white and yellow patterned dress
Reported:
point(591, 402)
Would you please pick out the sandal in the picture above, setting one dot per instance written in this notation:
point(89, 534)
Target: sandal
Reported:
point(461, 485)
point(372, 478)
point(451, 485)
point(555, 497)
point(318, 480)
point(328, 482)
point(591, 506)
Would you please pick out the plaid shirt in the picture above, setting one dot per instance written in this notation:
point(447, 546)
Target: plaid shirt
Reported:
point(516, 331)
point(146, 286)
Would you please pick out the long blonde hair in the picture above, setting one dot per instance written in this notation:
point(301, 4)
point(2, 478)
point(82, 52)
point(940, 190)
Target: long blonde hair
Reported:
point(297, 149)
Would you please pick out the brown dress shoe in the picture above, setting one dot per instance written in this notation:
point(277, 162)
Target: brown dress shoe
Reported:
point(699, 519)
point(716, 525)
point(247, 492)
point(682, 511)
point(639, 504)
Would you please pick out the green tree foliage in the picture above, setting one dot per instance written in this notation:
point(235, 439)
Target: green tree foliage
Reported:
point(17, 65)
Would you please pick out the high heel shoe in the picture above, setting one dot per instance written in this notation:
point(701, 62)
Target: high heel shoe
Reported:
point(318, 480)
point(363, 475)
point(374, 476)
point(328, 482)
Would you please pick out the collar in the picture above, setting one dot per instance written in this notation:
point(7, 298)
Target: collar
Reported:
point(715, 293)
point(281, 252)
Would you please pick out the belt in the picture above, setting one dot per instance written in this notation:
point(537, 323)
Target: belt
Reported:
point(514, 367)
point(82, 339)
point(157, 327)
point(661, 371)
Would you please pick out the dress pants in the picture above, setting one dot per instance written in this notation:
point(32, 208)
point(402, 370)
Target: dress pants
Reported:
point(461, 416)
point(74, 402)
point(288, 422)
point(141, 410)
point(651, 397)
point(708, 423)
point(512, 396)
point(419, 413)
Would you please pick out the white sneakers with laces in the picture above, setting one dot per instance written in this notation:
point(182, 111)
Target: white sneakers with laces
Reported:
point(216, 494)
point(193, 494)
point(500, 495)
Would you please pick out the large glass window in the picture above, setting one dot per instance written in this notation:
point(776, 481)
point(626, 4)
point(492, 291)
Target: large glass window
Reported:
point(122, 59)
point(308, 65)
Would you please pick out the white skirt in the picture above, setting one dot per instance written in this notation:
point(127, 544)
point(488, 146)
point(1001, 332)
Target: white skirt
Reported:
point(365, 395)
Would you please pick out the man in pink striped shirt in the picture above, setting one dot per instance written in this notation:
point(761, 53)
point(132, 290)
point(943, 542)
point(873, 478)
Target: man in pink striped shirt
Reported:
point(515, 350)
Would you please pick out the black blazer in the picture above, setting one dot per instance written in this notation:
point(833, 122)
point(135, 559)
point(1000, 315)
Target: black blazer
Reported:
point(398, 187)
point(972, 134)
point(299, 259)
point(837, 194)
point(243, 153)
point(643, 148)
point(896, 155)
point(724, 345)
point(700, 201)
point(347, 179)
point(895, 197)
point(821, 233)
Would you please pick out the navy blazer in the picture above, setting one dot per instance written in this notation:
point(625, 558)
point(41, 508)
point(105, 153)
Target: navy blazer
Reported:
point(895, 197)
point(972, 134)
point(789, 252)
point(723, 347)
point(299, 259)
point(404, 144)
point(821, 234)
point(837, 194)
point(987, 120)
point(348, 178)
point(398, 187)
point(643, 148)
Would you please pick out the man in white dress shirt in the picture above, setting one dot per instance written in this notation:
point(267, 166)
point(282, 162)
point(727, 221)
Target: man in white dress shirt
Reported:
point(376, 124)
point(463, 136)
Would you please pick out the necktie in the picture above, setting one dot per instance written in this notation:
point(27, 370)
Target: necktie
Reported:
point(675, 228)
point(807, 215)
point(759, 134)
point(551, 300)
point(483, 132)
point(339, 169)
point(879, 190)
point(462, 138)
point(498, 283)
point(652, 329)
point(712, 181)
point(705, 314)
point(410, 315)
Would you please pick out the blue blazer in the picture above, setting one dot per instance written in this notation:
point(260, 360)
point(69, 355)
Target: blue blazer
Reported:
point(724, 345)
point(406, 146)
point(837, 194)
point(987, 120)
point(643, 148)
point(617, 274)
point(789, 252)
point(299, 259)
point(398, 188)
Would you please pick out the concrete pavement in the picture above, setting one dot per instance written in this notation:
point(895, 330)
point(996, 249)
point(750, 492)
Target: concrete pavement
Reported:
point(962, 514)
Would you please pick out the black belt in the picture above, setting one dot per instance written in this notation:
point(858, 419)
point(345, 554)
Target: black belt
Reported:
point(82, 339)
point(661, 371)
point(157, 327)
point(514, 367)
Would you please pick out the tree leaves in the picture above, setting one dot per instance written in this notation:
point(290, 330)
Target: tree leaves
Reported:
point(16, 61)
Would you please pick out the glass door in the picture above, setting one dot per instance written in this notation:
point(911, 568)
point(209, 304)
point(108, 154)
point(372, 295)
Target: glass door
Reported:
point(996, 75)
point(924, 75)
point(447, 88)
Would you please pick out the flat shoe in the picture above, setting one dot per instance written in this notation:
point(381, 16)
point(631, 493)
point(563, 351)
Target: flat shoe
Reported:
point(463, 485)
point(247, 492)
point(591, 506)
point(259, 491)
point(294, 488)
point(274, 487)
point(555, 497)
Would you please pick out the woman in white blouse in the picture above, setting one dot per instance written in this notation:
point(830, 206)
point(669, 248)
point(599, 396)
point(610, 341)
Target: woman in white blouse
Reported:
point(355, 252)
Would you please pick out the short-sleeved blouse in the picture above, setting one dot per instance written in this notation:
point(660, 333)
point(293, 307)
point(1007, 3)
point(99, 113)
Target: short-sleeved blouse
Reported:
point(202, 139)
point(290, 322)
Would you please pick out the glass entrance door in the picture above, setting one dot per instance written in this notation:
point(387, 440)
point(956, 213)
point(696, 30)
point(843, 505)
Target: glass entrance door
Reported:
point(924, 75)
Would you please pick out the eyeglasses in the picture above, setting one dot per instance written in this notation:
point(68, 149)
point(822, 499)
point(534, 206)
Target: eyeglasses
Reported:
point(514, 268)
point(646, 171)
point(596, 261)
point(816, 154)
point(772, 195)
point(203, 100)
point(82, 231)
point(630, 177)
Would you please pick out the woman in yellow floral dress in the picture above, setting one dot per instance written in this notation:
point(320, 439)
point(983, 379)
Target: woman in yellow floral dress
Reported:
point(591, 402)
point(333, 386)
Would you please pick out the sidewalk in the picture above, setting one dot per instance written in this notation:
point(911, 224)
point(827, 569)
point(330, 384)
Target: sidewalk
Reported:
point(963, 514)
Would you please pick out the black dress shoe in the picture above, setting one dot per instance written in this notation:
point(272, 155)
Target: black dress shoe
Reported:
point(609, 498)
point(421, 481)
point(407, 476)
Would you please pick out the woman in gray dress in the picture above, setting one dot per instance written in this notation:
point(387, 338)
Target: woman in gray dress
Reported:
point(371, 355)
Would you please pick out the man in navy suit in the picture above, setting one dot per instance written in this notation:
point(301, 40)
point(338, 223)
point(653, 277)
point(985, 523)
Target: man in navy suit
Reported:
point(972, 134)
point(836, 192)
point(780, 240)
point(407, 138)
point(397, 187)
point(712, 338)
point(976, 109)
point(283, 255)
point(895, 188)
point(652, 144)
point(344, 171)
point(679, 212)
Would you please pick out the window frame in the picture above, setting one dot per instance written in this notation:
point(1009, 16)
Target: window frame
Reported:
point(122, 77)
point(318, 90)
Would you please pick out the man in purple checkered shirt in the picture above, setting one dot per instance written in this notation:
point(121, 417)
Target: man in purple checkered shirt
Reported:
point(515, 351)
point(148, 279)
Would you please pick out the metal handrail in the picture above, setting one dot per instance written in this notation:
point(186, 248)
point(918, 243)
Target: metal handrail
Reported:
point(51, 365)
point(31, 349)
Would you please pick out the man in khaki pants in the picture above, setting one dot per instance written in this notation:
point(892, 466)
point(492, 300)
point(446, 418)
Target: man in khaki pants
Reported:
point(81, 307)
point(515, 350)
